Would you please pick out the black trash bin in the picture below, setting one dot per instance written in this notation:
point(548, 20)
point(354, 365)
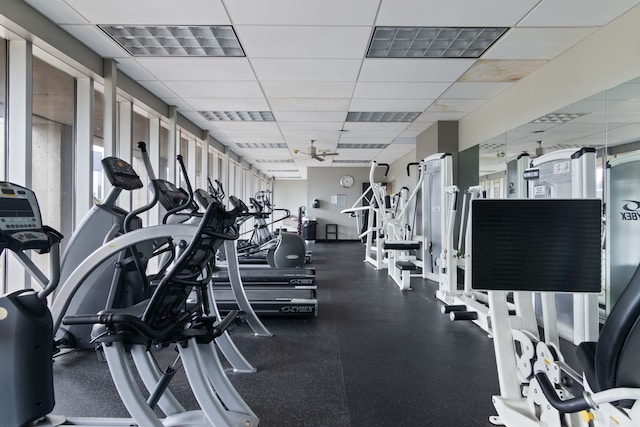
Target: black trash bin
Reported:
point(309, 230)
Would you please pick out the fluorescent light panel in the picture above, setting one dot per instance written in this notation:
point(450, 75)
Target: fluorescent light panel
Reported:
point(274, 161)
point(238, 116)
point(351, 161)
point(262, 145)
point(355, 116)
point(283, 170)
point(363, 146)
point(558, 117)
point(176, 40)
point(432, 42)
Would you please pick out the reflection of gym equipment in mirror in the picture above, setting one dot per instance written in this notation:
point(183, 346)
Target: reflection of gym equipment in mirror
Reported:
point(623, 224)
point(566, 174)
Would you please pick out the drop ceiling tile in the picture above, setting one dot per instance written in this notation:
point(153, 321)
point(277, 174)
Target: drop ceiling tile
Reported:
point(293, 137)
point(179, 102)
point(199, 69)
point(306, 70)
point(157, 88)
point(303, 42)
point(310, 116)
point(360, 154)
point(99, 42)
point(474, 90)
point(349, 138)
point(413, 70)
point(399, 105)
point(208, 89)
point(149, 12)
point(228, 104)
point(308, 89)
point(58, 11)
point(410, 90)
point(563, 13)
point(133, 69)
point(434, 116)
point(458, 105)
point(536, 43)
point(501, 70)
point(383, 127)
point(468, 13)
point(302, 12)
point(309, 104)
point(334, 126)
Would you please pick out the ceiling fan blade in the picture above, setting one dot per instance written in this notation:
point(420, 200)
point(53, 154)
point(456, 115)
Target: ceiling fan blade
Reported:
point(318, 158)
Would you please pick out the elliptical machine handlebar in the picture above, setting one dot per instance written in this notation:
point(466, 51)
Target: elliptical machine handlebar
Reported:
point(154, 183)
point(189, 203)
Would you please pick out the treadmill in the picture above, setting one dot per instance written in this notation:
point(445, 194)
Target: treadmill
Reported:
point(270, 291)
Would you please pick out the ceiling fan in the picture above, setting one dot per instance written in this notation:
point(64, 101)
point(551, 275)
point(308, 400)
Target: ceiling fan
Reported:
point(314, 154)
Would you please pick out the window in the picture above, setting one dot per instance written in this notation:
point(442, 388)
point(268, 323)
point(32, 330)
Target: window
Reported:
point(98, 148)
point(52, 144)
point(163, 173)
point(53, 148)
point(140, 133)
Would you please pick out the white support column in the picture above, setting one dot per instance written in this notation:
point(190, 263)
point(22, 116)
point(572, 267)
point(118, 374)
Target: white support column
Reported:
point(191, 162)
point(204, 167)
point(110, 107)
point(173, 142)
point(154, 158)
point(125, 137)
point(20, 98)
point(83, 176)
point(19, 126)
point(224, 173)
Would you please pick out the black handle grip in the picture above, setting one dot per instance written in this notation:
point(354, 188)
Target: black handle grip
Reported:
point(568, 406)
point(82, 319)
point(142, 147)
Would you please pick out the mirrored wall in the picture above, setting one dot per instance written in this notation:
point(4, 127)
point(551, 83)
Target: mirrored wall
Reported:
point(606, 124)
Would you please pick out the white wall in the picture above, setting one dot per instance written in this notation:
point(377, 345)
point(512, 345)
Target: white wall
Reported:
point(289, 194)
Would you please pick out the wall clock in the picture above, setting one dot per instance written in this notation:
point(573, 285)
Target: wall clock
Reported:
point(346, 181)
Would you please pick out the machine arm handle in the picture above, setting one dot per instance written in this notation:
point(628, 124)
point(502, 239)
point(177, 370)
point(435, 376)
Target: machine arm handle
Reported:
point(409, 167)
point(573, 405)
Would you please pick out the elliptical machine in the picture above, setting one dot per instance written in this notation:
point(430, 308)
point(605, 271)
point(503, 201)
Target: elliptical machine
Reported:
point(168, 317)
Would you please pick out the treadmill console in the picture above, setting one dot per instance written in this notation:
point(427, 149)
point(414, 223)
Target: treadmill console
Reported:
point(20, 219)
point(120, 174)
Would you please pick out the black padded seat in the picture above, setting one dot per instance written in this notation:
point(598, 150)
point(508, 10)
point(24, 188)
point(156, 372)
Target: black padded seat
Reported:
point(612, 361)
point(401, 246)
point(406, 265)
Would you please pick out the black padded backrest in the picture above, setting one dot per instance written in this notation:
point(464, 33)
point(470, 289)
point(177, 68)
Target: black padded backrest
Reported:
point(169, 299)
point(618, 348)
point(290, 251)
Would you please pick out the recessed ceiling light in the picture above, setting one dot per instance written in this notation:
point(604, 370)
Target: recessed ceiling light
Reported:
point(350, 161)
point(176, 40)
point(432, 42)
point(354, 116)
point(238, 116)
point(262, 145)
point(274, 161)
point(558, 117)
point(363, 146)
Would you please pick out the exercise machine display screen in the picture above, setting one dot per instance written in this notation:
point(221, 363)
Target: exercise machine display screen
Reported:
point(120, 174)
point(539, 245)
point(18, 208)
